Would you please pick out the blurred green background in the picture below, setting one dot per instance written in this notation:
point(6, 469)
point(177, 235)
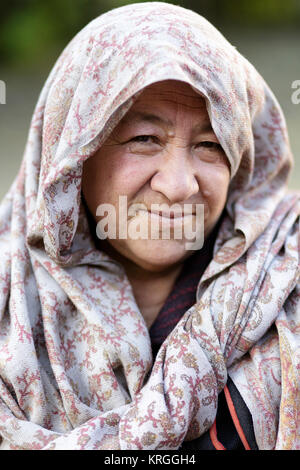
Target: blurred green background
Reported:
point(34, 32)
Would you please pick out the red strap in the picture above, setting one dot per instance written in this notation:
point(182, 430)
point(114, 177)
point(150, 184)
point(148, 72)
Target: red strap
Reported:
point(213, 436)
point(235, 418)
point(213, 430)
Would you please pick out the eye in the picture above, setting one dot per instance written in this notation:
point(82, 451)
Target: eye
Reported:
point(145, 144)
point(145, 139)
point(210, 152)
point(209, 145)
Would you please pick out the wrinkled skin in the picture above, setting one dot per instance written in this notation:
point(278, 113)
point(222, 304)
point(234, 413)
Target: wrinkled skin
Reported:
point(172, 158)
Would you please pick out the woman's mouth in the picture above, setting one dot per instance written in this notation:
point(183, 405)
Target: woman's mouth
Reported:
point(167, 219)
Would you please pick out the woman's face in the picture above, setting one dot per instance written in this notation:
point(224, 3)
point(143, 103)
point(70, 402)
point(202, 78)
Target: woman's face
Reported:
point(163, 151)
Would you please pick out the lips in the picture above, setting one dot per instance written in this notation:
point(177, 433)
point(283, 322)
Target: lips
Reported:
point(171, 214)
point(170, 219)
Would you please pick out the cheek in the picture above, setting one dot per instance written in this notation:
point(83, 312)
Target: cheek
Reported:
point(128, 174)
point(124, 180)
point(112, 174)
point(215, 187)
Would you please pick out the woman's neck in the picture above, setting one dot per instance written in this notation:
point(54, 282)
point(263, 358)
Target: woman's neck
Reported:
point(150, 288)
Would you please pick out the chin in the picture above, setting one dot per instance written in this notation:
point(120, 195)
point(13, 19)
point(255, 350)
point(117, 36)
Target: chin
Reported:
point(157, 255)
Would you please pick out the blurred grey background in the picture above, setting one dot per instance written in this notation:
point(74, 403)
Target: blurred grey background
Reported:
point(33, 33)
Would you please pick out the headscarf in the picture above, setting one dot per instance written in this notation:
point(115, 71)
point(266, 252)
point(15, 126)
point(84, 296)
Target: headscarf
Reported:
point(75, 355)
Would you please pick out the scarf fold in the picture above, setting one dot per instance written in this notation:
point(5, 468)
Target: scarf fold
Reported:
point(76, 368)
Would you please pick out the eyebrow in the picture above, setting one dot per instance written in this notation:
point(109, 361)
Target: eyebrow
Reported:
point(155, 119)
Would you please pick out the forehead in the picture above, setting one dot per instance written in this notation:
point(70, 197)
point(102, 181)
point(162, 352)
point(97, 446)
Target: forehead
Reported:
point(171, 91)
point(166, 102)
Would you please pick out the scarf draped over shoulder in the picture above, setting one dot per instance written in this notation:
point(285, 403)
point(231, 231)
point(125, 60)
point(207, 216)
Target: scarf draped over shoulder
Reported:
point(76, 367)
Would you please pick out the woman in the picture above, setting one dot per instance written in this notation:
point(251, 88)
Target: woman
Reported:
point(97, 352)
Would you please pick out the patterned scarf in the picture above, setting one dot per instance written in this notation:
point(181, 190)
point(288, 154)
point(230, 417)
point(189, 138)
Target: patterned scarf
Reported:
point(76, 368)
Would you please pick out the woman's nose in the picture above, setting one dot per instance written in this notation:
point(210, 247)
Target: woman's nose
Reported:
point(175, 177)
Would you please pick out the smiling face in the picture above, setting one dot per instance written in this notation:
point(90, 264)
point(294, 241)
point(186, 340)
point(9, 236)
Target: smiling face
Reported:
point(163, 151)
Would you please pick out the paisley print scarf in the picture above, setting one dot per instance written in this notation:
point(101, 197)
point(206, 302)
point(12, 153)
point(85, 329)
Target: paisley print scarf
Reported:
point(76, 367)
